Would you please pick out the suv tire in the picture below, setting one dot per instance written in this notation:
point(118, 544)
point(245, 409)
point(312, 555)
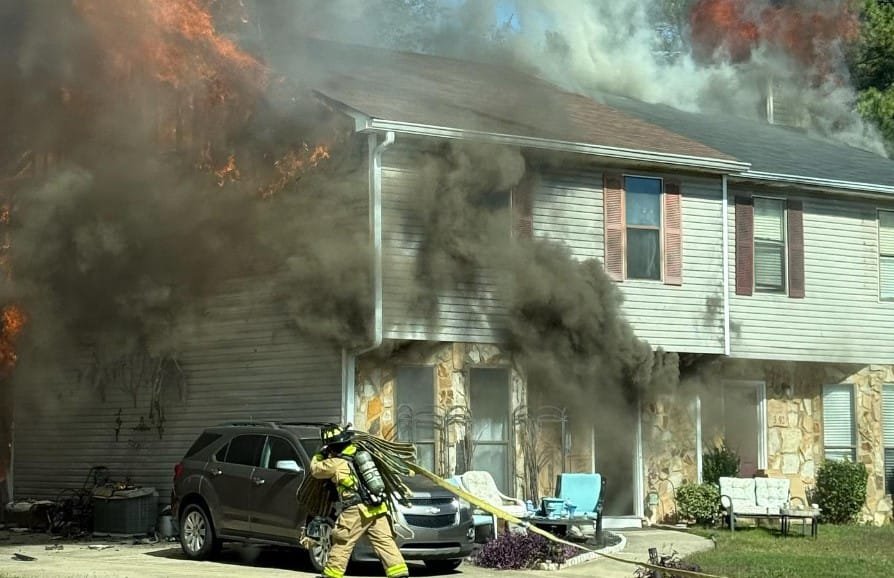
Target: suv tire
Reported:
point(197, 537)
point(443, 565)
point(319, 553)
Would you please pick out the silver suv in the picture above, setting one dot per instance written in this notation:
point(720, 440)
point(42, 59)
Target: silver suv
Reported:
point(237, 483)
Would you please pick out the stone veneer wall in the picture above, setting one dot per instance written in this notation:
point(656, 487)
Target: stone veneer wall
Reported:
point(669, 451)
point(870, 440)
point(375, 382)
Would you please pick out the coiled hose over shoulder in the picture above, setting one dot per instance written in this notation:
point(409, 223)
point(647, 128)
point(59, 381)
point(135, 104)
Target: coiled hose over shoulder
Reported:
point(392, 459)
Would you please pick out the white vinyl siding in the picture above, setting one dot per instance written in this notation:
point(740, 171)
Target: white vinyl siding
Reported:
point(841, 319)
point(888, 434)
point(769, 244)
point(886, 255)
point(839, 436)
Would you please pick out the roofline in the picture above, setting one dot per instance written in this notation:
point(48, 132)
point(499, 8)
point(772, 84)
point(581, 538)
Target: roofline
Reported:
point(867, 189)
point(715, 165)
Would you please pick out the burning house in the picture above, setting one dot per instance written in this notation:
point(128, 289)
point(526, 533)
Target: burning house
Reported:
point(514, 276)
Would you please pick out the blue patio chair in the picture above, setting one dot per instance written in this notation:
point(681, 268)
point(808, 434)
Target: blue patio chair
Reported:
point(585, 491)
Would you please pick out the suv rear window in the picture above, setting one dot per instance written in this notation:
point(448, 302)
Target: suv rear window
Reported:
point(244, 450)
point(205, 440)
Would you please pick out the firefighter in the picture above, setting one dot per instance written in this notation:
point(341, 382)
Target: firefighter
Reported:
point(359, 513)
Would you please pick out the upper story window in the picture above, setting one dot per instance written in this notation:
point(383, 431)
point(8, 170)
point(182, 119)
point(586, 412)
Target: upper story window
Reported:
point(769, 240)
point(769, 244)
point(886, 255)
point(642, 197)
point(643, 233)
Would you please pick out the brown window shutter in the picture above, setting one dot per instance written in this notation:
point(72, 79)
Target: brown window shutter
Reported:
point(795, 249)
point(673, 235)
point(613, 210)
point(522, 208)
point(744, 245)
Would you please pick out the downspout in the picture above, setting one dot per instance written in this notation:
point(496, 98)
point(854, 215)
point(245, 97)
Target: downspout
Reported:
point(725, 248)
point(349, 358)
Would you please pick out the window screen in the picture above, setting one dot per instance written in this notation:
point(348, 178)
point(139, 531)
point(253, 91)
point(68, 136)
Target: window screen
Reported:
point(839, 438)
point(886, 255)
point(415, 400)
point(245, 450)
point(643, 220)
point(489, 404)
point(769, 244)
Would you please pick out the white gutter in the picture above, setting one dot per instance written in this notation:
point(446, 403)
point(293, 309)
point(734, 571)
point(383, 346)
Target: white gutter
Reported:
point(695, 162)
point(777, 178)
point(349, 358)
point(725, 249)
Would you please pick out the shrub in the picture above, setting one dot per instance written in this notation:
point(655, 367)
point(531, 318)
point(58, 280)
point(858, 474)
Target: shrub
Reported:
point(718, 463)
point(699, 502)
point(840, 490)
point(516, 551)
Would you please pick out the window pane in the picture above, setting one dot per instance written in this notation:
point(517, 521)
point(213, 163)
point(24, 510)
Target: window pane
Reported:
point(888, 414)
point(840, 454)
point(278, 449)
point(886, 277)
point(886, 232)
point(415, 400)
point(643, 199)
point(769, 219)
point(769, 266)
point(889, 470)
point(493, 459)
point(643, 254)
point(425, 455)
point(489, 403)
point(838, 417)
point(245, 450)
point(205, 440)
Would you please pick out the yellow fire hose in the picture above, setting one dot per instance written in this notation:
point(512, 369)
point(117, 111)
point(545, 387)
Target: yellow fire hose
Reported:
point(506, 516)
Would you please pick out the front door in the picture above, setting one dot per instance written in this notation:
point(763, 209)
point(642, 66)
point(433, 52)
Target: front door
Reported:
point(274, 508)
point(733, 418)
point(230, 473)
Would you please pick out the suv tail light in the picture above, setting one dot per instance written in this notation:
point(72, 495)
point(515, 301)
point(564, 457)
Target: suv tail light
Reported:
point(178, 471)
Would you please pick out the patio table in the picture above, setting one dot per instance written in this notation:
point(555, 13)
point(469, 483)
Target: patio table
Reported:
point(806, 516)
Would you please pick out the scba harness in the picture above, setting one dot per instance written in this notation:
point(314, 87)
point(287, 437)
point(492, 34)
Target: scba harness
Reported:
point(365, 484)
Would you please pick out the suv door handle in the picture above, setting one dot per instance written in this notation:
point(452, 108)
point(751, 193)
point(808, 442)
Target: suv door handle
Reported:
point(258, 481)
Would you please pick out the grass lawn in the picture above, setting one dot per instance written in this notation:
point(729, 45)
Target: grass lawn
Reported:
point(839, 551)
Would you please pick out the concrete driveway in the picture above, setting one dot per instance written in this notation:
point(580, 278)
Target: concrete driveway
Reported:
point(79, 560)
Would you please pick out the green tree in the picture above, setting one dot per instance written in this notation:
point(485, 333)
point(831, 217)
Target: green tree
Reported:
point(872, 67)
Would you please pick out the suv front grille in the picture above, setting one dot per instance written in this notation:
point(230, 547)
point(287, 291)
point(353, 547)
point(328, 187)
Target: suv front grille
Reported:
point(435, 521)
point(431, 501)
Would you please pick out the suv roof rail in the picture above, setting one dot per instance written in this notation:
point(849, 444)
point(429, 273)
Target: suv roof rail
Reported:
point(275, 424)
point(247, 423)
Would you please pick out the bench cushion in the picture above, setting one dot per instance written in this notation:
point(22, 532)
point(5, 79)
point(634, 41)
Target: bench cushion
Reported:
point(740, 492)
point(772, 492)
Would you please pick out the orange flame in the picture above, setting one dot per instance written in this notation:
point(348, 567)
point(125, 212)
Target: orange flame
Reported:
point(13, 321)
point(228, 173)
point(734, 28)
point(292, 164)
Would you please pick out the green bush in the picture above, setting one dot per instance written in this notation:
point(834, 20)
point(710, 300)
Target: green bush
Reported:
point(840, 490)
point(719, 463)
point(699, 502)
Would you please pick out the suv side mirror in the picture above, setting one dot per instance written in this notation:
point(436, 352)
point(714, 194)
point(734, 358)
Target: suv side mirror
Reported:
point(289, 466)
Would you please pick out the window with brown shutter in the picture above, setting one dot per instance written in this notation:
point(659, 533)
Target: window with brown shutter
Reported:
point(744, 246)
point(795, 222)
point(673, 235)
point(613, 201)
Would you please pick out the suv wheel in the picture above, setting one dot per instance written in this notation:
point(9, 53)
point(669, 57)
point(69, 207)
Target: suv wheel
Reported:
point(197, 534)
point(319, 552)
point(443, 565)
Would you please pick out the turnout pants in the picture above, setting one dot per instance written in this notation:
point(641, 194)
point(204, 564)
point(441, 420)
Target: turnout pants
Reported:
point(351, 525)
